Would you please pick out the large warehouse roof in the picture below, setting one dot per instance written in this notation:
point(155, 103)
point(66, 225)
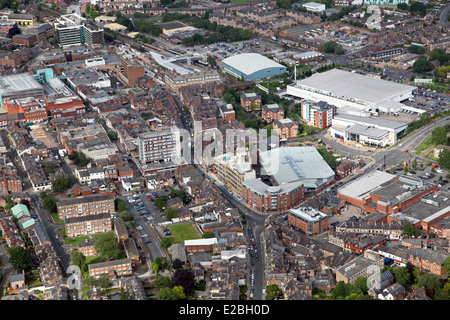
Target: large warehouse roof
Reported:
point(289, 164)
point(249, 63)
point(390, 125)
point(362, 186)
point(349, 84)
point(18, 82)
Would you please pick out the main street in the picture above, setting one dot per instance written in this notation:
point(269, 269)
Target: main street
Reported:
point(398, 153)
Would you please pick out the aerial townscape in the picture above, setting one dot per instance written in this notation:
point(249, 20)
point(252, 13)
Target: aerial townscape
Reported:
point(224, 150)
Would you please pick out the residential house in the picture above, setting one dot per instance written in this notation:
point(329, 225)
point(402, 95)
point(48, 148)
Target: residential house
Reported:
point(271, 112)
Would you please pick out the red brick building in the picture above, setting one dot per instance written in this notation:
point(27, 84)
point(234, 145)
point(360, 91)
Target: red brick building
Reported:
point(264, 198)
point(88, 225)
point(85, 205)
point(308, 220)
point(271, 112)
point(285, 128)
point(251, 101)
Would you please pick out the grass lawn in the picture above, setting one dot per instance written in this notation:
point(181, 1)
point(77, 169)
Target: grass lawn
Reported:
point(183, 231)
point(425, 145)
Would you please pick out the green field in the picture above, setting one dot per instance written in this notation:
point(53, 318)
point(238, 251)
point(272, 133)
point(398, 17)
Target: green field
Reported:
point(425, 145)
point(183, 231)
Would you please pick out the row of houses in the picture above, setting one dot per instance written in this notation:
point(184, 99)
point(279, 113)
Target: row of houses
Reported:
point(298, 264)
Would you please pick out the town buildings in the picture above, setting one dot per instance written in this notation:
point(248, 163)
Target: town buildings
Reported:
point(309, 221)
point(85, 205)
point(250, 101)
point(72, 29)
point(156, 146)
point(265, 198)
point(318, 114)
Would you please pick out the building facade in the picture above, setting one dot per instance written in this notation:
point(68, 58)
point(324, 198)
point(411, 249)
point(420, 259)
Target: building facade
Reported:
point(308, 220)
point(72, 30)
point(156, 146)
point(88, 225)
point(85, 205)
point(318, 114)
point(115, 268)
point(264, 198)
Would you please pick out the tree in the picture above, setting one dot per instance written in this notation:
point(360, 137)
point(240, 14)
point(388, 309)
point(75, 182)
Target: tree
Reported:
point(179, 292)
point(329, 157)
point(441, 55)
point(401, 275)
point(272, 291)
point(431, 282)
point(403, 6)
point(9, 203)
point(409, 230)
point(20, 258)
point(447, 265)
point(103, 281)
point(112, 135)
point(439, 136)
point(170, 213)
point(120, 204)
point(124, 294)
point(77, 258)
point(422, 65)
point(166, 242)
point(416, 49)
point(162, 282)
point(332, 47)
point(61, 183)
point(79, 158)
point(48, 202)
point(177, 264)
point(212, 61)
point(361, 283)
point(167, 294)
point(417, 7)
point(160, 201)
point(444, 158)
point(126, 216)
point(178, 193)
point(184, 278)
point(108, 247)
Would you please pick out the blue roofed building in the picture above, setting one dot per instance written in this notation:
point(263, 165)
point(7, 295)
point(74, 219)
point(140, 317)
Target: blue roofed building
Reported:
point(252, 66)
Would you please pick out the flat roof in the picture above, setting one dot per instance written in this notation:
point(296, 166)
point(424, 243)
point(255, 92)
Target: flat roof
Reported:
point(249, 63)
point(349, 84)
point(168, 64)
point(380, 123)
point(366, 131)
point(367, 183)
point(18, 82)
point(289, 164)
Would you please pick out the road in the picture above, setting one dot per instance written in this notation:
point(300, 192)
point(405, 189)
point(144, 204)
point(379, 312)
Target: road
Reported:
point(256, 221)
point(390, 156)
point(444, 16)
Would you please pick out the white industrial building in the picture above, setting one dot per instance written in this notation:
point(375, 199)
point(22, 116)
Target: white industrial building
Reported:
point(371, 131)
point(352, 92)
point(314, 7)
